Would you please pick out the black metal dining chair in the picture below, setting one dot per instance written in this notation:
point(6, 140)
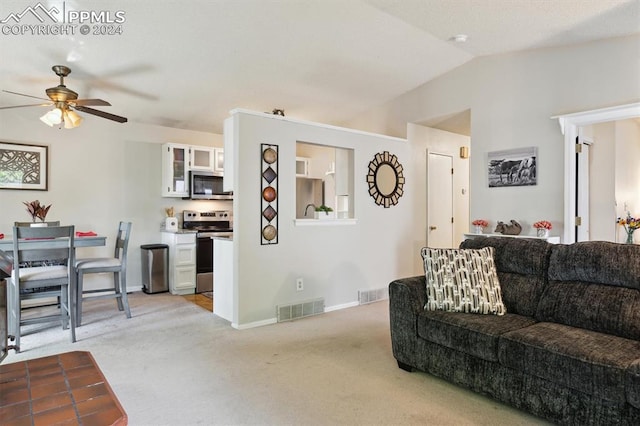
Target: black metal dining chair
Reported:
point(53, 248)
point(116, 265)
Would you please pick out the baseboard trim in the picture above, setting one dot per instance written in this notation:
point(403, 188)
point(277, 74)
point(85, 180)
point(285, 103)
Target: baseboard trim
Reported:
point(254, 324)
point(342, 306)
point(270, 321)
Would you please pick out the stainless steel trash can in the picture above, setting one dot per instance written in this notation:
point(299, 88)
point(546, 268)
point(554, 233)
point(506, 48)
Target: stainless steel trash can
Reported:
point(155, 268)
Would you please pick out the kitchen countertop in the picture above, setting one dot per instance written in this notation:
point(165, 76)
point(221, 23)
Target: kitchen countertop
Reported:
point(181, 231)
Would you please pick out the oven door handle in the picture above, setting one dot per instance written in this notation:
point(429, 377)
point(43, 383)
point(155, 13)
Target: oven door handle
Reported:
point(205, 235)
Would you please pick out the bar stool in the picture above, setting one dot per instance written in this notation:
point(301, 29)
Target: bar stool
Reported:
point(52, 249)
point(116, 265)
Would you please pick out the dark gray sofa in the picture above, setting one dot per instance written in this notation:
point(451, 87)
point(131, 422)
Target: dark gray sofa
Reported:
point(568, 348)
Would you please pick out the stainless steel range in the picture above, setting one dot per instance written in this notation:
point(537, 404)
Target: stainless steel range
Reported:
point(217, 223)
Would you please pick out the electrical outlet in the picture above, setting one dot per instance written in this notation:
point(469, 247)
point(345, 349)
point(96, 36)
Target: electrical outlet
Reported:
point(299, 284)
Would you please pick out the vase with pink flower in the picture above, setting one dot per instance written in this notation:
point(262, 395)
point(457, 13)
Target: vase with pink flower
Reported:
point(479, 225)
point(542, 228)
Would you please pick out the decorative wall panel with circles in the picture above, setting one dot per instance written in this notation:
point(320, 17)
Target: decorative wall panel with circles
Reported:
point(269, 194)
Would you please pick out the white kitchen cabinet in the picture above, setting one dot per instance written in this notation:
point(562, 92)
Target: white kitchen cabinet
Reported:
point(302, 166)
point(175, 170)
point(182, 262)
point(202, 158)
point(218, 160)
point(178, 160)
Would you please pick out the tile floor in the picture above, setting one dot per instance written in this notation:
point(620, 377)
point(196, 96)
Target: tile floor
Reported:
point(65, 389)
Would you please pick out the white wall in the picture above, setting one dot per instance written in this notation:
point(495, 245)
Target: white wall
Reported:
point(512, 98)
point(334, 261)
point(422, 139)
point(100, 173)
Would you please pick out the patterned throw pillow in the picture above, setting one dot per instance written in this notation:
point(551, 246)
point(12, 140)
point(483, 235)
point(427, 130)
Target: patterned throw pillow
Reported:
point(462, 280)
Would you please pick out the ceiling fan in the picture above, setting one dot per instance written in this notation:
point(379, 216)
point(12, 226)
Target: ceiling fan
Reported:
point(66, 102)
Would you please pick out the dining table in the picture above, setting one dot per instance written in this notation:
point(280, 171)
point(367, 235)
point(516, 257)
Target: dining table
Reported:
point(6, 249)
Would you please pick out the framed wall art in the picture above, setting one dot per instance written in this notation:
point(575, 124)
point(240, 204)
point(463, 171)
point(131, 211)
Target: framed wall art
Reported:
point(24, 166)
point(512, 167)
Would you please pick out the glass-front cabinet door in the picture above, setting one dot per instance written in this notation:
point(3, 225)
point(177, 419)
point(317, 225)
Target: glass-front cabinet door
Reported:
point(175, 170)
point(218, 164)
point(202, 158)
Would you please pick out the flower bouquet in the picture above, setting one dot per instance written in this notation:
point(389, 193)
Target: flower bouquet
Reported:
point(543, 227)
point(630, 224)
point(36, 210)
point(480, 224)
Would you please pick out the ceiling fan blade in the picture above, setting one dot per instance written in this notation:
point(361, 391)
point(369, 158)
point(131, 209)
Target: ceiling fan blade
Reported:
point(93, 102)
point(102, 114)
point(23, 106)
point(22, 94)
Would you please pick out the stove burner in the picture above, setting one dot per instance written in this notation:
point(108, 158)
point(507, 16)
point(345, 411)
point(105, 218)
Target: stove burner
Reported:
point(208, 222)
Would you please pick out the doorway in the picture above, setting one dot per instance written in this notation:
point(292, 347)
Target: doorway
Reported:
point(570, 126)
point(440, 200)
point(430, 140)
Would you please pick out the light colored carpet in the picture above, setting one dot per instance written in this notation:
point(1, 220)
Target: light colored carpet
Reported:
point(174, 363)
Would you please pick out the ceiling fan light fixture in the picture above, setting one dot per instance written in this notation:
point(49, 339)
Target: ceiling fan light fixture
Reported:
point(45, 120)
point(52, 117)
point(71, 119)
point(65, 102)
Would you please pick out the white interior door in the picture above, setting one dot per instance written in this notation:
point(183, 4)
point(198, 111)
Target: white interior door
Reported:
point(439, 200)
point(582, 185)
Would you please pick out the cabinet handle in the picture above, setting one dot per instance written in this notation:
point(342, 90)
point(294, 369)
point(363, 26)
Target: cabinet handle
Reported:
point(433, 228)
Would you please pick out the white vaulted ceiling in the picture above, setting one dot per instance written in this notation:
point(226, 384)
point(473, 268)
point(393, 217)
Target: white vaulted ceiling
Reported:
point(186, 63)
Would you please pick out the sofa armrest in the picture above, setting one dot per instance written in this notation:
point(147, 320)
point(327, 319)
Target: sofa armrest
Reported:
point(407, 297)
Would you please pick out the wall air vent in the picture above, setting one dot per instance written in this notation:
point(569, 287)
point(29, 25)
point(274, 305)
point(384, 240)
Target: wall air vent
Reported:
point(369, 296)
point(300, 310)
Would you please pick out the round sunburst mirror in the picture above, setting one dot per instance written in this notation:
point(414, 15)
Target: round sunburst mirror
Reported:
point(385, 179)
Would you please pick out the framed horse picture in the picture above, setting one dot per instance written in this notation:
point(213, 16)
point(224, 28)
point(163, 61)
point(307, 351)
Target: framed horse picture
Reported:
point(512, 167)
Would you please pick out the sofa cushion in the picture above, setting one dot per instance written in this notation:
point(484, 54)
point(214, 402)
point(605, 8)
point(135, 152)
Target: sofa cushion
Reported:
point(587, 361)
point(589, 289)
point(473, 334)
point(597, 307)
point(461, 280)
point(633, 384)
point(522, 276)
point(596, 262)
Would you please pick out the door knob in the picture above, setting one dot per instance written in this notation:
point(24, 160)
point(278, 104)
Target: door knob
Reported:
point(433, 228)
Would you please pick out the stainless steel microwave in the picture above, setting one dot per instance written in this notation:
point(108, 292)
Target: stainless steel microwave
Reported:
point(207, 186)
